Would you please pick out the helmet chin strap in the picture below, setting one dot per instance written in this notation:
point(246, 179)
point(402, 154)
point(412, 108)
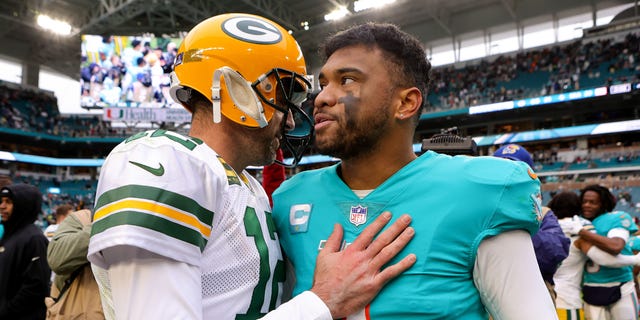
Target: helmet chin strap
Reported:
point(240, 92)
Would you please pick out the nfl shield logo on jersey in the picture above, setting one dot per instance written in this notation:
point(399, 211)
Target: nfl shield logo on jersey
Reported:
point(358, 215)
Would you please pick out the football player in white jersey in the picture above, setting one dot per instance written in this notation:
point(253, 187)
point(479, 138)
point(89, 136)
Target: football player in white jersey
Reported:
point(182, 231)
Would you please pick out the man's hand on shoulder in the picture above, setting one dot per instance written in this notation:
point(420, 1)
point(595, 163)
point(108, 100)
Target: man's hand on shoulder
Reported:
point(348, 280)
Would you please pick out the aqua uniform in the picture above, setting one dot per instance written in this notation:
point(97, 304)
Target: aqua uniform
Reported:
point(455, 203)
point(595, 273)
point(634, 243)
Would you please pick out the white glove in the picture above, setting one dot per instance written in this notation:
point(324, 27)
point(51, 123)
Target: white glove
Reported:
point(572, 226)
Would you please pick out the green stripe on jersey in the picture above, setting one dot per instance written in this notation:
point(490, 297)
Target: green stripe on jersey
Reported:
point(148, 221)
point(163, 196)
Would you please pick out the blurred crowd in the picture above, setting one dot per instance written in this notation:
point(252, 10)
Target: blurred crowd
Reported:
point(509, 77)
point(78, 193)
point(139, 73)
point(37, 111)
point(136, 73)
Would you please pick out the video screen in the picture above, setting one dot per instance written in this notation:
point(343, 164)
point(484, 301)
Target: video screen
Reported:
point(126, 71)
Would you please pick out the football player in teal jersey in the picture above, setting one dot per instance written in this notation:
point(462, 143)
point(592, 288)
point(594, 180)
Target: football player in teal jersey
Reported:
point(473, 216)
point(608, 293)
point(182, 231)
point(568, 278)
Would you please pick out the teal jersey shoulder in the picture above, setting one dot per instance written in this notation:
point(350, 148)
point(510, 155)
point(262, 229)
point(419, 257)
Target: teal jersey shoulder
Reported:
point(603, 224)
point(455, 203)
point(634, 243)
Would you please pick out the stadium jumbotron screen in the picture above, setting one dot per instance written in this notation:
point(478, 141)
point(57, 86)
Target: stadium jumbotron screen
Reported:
point(126, 71)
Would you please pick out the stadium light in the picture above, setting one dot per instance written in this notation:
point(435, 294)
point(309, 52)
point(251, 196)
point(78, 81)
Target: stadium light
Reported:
point(339, 13)
point(53, 25)
point(361, 5)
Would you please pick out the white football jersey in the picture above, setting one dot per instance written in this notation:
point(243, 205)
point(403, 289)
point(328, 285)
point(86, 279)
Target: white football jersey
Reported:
point(568, 278)
point(174, 196)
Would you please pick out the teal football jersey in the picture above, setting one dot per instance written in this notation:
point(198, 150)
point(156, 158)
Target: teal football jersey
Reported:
point(595, 273)
point(634, 243)
point(455, 203)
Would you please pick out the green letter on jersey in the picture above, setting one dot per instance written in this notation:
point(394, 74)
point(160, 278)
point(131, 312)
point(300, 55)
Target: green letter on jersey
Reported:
point(187, 143)
point(252, 225)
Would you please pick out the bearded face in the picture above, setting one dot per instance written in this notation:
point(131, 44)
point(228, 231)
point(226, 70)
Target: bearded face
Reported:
point(352, 112)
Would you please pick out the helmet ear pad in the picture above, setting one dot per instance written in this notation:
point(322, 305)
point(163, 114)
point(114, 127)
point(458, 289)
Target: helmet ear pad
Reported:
point(241, 93)
point(178, 93)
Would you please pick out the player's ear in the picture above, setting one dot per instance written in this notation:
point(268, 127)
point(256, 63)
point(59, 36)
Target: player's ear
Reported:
point(410, 102)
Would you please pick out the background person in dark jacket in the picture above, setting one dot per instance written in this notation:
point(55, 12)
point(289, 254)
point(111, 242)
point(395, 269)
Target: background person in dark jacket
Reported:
point(549, 243)
point(24, 272)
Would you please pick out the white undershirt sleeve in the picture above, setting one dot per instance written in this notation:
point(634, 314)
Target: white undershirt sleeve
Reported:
point(146, 286)
point(603, 258)
point(619, 233)
point(507, 276)
point(305, 306)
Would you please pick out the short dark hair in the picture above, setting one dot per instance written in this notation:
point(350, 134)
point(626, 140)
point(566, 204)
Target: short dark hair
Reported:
point(403, 49)
point(194, 101)
point(607, 200)
point(565, 204)
point(63, 210)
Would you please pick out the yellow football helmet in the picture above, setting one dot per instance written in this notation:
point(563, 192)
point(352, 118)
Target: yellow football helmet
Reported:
point(248, 67)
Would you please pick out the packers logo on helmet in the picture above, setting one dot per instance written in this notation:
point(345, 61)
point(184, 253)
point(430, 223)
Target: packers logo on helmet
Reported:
point(252, 30)
point(248, 67)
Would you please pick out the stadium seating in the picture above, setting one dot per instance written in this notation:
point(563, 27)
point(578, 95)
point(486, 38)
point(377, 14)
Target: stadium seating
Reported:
point(525, 74)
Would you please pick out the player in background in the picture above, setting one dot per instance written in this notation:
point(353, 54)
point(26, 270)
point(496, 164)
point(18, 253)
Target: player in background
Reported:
point(182, 231)
point(607, 292)
point(566, 206)
point(474, 216)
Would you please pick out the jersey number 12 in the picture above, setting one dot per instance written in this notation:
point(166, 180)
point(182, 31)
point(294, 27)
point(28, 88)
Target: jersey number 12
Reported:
point(254, 229)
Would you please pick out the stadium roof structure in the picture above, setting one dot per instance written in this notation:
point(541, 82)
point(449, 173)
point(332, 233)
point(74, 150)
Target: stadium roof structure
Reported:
point(430, 20)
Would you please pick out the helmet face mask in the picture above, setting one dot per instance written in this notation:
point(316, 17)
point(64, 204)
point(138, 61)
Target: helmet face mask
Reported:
point(248, 67)
point(298, 140)
point(285, 91)
point(290, 88)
